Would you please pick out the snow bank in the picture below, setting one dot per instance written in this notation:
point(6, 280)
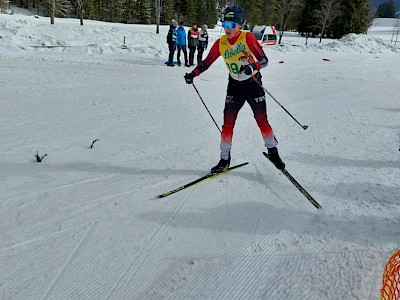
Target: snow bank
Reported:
point(386, 29)
point(22, 34)
point(384, 23)
point(361, 43)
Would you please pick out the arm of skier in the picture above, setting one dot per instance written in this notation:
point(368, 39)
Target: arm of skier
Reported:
point(255, 47)
point(211, 57)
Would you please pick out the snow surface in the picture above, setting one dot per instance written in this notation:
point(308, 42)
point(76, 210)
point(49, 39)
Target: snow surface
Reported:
point(386, 29)
point(85, 223)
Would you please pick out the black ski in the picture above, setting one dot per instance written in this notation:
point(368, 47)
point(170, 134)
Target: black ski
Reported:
point(296, 184)
point(204, 178)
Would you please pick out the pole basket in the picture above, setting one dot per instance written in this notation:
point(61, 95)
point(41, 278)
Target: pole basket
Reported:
point(391, 279)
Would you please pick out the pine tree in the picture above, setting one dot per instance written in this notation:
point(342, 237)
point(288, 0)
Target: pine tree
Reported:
point(119, 11)
point(63, 8)
point(270, 16)
point(201, 12)
point(191, 13)
point(355, 17)
point(181, 9)
point(167, 11)
point(307, 22)
point(211, 15)
point(206, 13)
point(97, 9)
point(386, 10)
point(130, 12)
point(144, 11)
point(3, 5)
point(253, 11)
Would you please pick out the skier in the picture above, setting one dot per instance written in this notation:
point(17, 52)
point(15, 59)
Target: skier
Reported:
point(181, 43)
point(193, 41)
point(203, 43)
point(171, 41)
point(244, 58)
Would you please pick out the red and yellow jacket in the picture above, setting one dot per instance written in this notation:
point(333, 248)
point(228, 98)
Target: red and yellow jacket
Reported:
point(240, 50)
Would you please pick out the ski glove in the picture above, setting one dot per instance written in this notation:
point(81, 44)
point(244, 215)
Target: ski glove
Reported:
point(189, 77)
point(248, 69)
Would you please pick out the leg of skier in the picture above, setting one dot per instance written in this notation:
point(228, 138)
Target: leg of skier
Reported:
point(231, 110)
point(259, 108)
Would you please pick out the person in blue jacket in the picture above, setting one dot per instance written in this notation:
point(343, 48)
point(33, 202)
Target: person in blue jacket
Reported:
point(181, 43)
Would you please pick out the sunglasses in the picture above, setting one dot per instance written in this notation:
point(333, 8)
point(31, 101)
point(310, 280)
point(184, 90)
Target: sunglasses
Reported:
point(228, 24)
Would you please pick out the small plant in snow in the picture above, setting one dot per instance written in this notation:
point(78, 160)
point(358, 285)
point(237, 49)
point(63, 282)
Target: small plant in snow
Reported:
point(38, 157)
point(91, 146)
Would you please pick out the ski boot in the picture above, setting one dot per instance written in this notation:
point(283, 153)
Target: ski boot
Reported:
point(275, 159)
point(223, 165)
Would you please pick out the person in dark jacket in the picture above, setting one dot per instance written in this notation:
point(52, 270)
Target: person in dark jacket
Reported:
point(181, 43)
point(171, 41)
point(203, 43)
point(193, 42)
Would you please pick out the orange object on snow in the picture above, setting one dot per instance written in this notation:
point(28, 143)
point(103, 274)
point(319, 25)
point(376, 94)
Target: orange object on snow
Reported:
point(391, 279)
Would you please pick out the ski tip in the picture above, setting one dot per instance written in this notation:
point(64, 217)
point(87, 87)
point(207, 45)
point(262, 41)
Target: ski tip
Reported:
point(243, 164)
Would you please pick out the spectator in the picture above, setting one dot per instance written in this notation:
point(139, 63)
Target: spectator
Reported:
point(193, 41)
point(203, 43)
point(171, 41)
point(181, 43)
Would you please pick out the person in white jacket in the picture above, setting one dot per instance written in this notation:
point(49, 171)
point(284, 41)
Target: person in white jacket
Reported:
point(203, 43)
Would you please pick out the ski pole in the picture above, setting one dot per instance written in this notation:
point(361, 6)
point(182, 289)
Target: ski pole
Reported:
point(206, 107)
point(302, 126)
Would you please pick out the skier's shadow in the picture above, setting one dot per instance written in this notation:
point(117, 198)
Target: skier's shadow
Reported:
point(18, 169)
point(389, 109)
point(332, 161)
point(243, 215)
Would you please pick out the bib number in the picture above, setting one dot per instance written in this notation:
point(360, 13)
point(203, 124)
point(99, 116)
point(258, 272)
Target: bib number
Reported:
point(233, 68)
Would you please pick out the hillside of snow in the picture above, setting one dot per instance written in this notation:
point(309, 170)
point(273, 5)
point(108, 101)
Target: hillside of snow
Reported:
point(24, 34)
point(85, 223)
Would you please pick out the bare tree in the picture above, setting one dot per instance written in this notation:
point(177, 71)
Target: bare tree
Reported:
point(328, 11)
point(395, 33)
point(285, 8)
point(52, 10)
point(158, 15)
point(81, 11)
point(60, 8)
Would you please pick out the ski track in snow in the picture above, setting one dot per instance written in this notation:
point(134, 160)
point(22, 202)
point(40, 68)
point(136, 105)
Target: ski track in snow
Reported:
point(150, 244)
point(73, 253)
